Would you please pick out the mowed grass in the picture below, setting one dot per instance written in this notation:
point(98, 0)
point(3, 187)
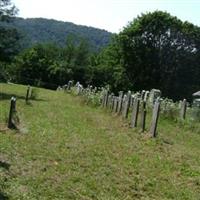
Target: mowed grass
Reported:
point(68, 150)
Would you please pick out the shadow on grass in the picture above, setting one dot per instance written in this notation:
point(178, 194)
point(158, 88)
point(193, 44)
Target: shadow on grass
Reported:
point(3, 196)
point(4, 165)
point(6, 96)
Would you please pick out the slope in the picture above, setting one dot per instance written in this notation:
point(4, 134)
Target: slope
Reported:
point(67, 150)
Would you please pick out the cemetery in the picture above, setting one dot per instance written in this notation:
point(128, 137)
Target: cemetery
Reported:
point(75, 131)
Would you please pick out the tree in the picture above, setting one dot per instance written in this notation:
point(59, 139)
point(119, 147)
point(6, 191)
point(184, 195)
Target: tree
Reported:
point(7, 10)
point(160, 51)
point(8, 36)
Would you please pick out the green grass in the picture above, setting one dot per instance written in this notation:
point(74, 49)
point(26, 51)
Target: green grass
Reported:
point(67, 150)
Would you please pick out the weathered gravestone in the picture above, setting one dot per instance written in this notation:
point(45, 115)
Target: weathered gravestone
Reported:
point(12, 111)
point(143, 95)
point(69, 85)
point(79, 88)
point(154, 94)
point(127, 105)
point(143, 115)
point(146, 95)
point(59, 88)
point(183, 109)
point(196, 106)
point(106, 99)
point(135, 111)
point(123, 103)
point(27, 94)
point(120, 101)
point(115, 104)
point(155, 116)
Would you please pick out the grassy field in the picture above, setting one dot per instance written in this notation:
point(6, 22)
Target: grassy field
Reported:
point(67, 150)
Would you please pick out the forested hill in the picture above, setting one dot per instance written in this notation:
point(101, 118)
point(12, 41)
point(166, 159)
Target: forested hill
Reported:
point(40, 30)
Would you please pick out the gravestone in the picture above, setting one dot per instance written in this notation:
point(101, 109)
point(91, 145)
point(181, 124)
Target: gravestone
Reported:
point(196, 106)
point(106, 99)
point(11, 112)
point(143, 94)
point(115, 104)
point(143, 115)
point(112, 101)
point(59, 88)
point(146, 95)
point(154, 94)
point(123, 103)
point(127, 105)
point(155, 116)
point(79, 89)
point(135, 111)
point(27, 94)
point(69, 85)
point(120, 101)
point(183, 109)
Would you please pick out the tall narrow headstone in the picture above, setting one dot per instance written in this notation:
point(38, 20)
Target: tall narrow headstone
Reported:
point(135, 111)
point(27, 94)
point(11, 112)
point(143, 115)
point(103, 94)
point(127, 105)
point(120, 101)
point(115, 104)
point(155, 116)
point(146, 95)
point(106, 99)
point(143, 94)
point(183, 109)
point(123, 104)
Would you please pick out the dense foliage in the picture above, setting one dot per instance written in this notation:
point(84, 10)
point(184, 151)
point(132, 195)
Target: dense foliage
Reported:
point(48, 65)
point(8, 35)
point(160, 51)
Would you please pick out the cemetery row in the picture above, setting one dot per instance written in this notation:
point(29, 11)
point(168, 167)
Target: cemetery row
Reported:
point(135, 106)
point(131, 106)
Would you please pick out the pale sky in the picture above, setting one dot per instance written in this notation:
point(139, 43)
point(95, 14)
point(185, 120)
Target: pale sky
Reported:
point(111, 15)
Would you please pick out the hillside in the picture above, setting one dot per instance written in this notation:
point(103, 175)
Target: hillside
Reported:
point(40, 30)
point(68, 150)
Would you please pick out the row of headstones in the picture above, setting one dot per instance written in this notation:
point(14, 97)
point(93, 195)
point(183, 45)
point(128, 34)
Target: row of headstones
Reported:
point(127, 100)
point(123, 103)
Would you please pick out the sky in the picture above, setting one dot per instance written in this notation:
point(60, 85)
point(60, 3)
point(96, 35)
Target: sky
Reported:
point(111, 15)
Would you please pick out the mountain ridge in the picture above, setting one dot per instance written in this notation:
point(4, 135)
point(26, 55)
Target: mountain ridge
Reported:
point(42, 30)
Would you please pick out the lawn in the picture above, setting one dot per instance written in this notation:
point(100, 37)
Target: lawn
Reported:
point(65, 149)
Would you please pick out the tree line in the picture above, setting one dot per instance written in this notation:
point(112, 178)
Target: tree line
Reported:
point(155, 50)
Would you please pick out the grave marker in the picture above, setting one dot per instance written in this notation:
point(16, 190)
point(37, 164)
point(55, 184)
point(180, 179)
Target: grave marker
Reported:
point(11, 112)
point(155, 116)
point(135, 111)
